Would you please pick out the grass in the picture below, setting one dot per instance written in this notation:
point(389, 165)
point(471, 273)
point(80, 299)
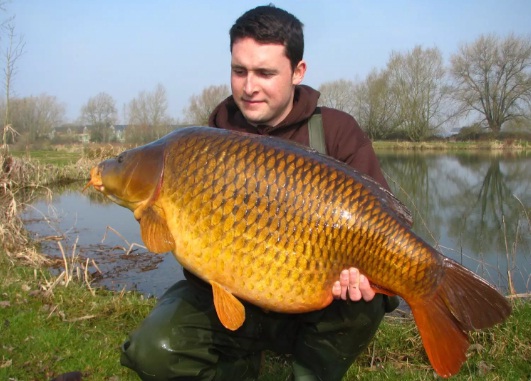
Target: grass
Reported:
point(49, 328)
point(54, 157)
point(500, 353)
point(442, 146)
point(61, 156)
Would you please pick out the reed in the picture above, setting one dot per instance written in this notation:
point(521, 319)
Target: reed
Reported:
point(21, 179)
point(523, 227)
point(12, 237)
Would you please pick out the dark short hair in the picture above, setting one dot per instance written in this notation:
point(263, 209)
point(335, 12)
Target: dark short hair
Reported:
point(268, 24)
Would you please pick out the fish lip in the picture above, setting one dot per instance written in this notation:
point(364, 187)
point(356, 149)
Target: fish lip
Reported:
point(96, 185)
point(95, 179)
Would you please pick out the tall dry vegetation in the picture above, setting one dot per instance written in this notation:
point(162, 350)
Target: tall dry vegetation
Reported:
point(14, 176)
point(21, 180)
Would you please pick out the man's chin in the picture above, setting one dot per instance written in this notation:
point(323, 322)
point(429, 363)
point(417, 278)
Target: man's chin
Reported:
point(254, 118)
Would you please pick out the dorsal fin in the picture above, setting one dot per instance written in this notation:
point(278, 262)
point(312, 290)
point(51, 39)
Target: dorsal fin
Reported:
point(401, 212)
point(230, 310)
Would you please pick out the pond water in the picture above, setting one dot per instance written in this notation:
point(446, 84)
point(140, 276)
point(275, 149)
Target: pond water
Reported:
point(474, 208)
point(89, 226)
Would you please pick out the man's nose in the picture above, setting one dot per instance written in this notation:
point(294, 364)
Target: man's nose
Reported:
point(250, 84)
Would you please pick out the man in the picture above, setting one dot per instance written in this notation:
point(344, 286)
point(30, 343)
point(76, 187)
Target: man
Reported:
point(182, 339)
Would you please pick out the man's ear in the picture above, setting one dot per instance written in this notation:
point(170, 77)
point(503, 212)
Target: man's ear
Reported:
point(298, 73)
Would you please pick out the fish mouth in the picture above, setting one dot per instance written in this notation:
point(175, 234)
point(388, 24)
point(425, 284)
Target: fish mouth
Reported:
point(95, 180)
point(98, 186)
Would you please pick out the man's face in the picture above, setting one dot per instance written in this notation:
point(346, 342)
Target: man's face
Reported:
point(262, 81)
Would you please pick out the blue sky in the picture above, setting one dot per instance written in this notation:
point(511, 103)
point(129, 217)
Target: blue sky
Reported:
point(76, 49)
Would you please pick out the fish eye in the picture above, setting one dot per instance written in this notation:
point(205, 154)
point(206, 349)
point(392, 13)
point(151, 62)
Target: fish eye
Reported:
point(120, 158)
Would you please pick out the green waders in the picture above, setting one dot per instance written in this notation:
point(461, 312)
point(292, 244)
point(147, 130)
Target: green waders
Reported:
point(182, 338)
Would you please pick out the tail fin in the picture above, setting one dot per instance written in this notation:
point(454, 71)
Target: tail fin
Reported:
point(462, 302)
point(444, 341)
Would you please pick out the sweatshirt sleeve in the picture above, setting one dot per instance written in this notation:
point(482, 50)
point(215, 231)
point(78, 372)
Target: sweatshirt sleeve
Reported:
point(346, 141)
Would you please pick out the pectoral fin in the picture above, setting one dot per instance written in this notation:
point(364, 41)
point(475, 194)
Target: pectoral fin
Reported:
point(230, 310)
point(155, 232)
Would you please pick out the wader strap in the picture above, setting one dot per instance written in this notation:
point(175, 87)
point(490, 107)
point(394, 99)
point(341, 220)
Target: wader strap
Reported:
point(316, 132)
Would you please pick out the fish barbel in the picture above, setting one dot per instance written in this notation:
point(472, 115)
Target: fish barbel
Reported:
point(274, 223)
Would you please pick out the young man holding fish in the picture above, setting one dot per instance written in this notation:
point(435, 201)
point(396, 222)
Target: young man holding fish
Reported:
point(182, 339)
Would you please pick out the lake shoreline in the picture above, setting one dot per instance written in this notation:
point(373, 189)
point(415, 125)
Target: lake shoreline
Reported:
point(68, 154)
point(494, 146)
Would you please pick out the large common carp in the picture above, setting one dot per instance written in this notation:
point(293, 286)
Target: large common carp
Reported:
point(274, 223)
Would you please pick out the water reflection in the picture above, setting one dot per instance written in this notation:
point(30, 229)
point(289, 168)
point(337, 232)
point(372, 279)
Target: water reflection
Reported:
point(473, 208)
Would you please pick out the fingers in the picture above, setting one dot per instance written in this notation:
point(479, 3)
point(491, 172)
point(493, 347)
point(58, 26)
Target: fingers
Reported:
point(353, 285)
point(367, 292)
point(354, 292)
point(336, 290)
point(340, 288)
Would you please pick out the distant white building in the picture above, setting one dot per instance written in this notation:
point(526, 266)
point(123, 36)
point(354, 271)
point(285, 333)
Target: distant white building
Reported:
point(118, 132)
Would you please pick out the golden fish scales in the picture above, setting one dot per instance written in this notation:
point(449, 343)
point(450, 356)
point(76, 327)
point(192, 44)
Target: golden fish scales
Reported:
point(248, 207)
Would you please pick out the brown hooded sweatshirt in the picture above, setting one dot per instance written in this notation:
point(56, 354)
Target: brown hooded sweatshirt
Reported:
point(344, 138)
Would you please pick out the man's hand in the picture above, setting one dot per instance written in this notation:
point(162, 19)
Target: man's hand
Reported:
point(354, 285)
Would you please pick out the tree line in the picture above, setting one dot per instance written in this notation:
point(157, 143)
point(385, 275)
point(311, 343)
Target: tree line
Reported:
point(486, 87)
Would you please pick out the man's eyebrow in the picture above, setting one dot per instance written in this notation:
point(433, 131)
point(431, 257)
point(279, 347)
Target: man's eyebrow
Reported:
point(238, 67)
point(258, 69)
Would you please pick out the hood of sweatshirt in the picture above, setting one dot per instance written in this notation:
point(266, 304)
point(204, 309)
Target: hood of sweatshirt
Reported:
point(227, 115)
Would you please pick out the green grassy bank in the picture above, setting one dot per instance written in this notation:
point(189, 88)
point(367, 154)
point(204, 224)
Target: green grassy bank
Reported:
point(50, 326)
point(494, 146)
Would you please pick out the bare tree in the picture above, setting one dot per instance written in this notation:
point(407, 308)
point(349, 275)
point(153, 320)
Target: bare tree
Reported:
point(13, 51)
point(418, 81)
point(49, 112)
point(99, 114)
point(493, 78)
point(34, 117)
point(201, 106)
point(338, 94)
point(148, 118)
point(376, 108)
